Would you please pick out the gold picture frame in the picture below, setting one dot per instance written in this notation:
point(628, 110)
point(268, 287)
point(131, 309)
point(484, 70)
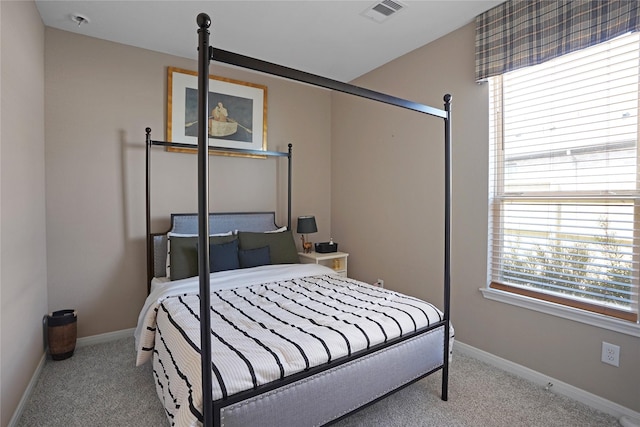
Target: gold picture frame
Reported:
point(238, 117)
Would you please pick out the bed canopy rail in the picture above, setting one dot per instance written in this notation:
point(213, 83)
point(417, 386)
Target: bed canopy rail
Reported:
point(207, 53)
point(151, 143)
point(231, 58)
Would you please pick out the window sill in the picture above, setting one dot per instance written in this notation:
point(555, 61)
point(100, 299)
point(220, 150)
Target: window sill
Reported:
point(558, 310)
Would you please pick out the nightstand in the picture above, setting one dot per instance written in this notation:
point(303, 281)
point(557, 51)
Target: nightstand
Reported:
point(335, 260)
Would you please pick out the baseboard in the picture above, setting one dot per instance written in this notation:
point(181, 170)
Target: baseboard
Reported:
point(80, 342)
point(27, 393)
point(625, 414)
point(106, 337)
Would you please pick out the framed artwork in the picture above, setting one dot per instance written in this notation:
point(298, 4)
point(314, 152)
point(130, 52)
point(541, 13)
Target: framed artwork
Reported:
point(237, 117)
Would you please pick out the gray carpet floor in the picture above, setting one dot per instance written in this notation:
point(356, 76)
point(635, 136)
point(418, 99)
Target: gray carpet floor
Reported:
point(101, 386)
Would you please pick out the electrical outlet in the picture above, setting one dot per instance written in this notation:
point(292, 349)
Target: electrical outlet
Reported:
point(610, 354)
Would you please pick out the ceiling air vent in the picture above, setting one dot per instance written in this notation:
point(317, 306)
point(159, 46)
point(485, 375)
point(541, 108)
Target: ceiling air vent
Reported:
point(383, 10)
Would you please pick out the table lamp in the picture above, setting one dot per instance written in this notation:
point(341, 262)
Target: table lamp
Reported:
point(306, 225)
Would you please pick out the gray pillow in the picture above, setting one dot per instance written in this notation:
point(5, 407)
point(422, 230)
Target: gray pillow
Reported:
point(183, 255)
point(282, 247)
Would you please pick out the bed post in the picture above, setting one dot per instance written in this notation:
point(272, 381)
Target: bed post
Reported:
point(289, 188)
point(148, 207)
point(447, 243)
point(204, 56)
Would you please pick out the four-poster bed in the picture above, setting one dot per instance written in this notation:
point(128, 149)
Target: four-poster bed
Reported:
point(355, 343)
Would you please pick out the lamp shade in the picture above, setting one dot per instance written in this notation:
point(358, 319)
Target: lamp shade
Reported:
point(307, 224)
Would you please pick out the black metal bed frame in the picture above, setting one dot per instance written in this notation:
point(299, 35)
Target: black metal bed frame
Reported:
point(206, 53)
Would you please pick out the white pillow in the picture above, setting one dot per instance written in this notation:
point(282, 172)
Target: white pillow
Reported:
point(279, 230)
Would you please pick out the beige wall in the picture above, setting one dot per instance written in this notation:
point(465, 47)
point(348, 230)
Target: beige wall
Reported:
point(388, 215)
point(100, 97)
point(23, 272)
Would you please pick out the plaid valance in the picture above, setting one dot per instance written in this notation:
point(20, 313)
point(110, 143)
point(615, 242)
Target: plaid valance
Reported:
point(519, 33)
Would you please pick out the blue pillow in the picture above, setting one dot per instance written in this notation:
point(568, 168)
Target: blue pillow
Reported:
point(223, 256)
point(254, 257)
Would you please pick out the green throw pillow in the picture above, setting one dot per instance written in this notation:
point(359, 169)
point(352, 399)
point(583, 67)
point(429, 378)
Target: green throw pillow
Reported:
point(282, 247)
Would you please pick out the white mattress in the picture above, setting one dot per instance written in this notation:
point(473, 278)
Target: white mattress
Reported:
point(157, 281)
point(267, 322)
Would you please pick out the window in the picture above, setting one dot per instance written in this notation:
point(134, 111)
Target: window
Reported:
point(564, 205)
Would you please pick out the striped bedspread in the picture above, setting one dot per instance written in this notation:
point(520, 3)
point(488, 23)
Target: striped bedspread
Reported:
point(267, 322)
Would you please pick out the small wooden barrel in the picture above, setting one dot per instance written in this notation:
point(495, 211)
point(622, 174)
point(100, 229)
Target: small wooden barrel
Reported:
point(62, 330)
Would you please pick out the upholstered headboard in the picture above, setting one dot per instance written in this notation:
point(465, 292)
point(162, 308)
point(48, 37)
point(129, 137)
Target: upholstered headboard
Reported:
point(218, 223)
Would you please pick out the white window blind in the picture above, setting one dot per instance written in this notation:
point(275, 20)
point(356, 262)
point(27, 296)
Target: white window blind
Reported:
point(564, 199)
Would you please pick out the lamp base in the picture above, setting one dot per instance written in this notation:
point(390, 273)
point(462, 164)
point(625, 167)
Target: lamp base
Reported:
point(306, 245)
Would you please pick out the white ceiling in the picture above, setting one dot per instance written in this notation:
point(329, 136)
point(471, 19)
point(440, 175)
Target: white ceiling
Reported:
point(329, 38)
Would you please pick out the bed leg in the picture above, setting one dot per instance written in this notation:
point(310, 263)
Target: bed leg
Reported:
point(445, 381)
point(445, 361)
